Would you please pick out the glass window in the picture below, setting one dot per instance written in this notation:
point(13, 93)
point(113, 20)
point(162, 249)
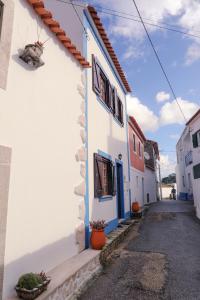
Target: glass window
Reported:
point(134, 143)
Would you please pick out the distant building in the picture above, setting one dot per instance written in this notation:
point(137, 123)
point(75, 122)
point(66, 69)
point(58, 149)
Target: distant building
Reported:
point(137, 168)
point(153, 191)
point(188, 162)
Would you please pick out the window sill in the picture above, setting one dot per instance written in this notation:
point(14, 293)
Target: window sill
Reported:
point(105, 198)
point(103, 104)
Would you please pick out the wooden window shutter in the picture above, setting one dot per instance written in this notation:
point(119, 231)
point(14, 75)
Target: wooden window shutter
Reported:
point(95, 75)
point(113, 181)
point(98, 189)
point(196, 171)
point(195, 140)
point(110, 95)
point(122, 113)
point(115, 102)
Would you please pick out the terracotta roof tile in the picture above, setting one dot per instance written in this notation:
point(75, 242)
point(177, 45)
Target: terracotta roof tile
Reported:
point(108, 45)
point(54, 26)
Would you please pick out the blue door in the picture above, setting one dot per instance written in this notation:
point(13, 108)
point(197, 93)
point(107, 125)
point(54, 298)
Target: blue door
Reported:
point(120, 191)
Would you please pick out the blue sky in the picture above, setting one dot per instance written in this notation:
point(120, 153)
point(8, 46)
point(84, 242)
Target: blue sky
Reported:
point(180, 54)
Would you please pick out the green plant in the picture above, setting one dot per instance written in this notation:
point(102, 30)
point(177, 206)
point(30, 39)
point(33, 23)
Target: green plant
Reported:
point(29, 281)
point(98, 225)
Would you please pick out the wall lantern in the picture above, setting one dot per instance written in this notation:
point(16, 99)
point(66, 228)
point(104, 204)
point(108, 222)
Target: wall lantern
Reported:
point(120, 156)
point(32, 53)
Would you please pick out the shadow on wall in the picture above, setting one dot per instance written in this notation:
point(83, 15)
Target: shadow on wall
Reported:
point(46, 258)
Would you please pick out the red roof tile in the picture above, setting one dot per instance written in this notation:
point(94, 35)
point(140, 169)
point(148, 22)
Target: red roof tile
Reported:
point(54, 26)
point(102, 33)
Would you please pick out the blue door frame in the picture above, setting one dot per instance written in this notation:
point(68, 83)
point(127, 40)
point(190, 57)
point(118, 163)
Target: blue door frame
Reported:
point(120, 190)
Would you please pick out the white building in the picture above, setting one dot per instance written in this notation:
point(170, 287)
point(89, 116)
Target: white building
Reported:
point(41, 207)
point(188, 162)
point(67, 131)
point(153, 190)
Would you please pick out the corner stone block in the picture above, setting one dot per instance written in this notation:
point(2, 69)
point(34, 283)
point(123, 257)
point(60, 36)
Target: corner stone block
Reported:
point(83, 135)
point(81, 120)
point(81, 90)
point(80, 189)
point(83, 171)
point(81, 154)
point(80, 236)
point(81, 207)
point(83, 79)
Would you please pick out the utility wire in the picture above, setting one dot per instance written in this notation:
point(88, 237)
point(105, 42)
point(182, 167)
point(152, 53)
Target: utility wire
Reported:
point(84, 29)
point(160, 63)
point(101, 9)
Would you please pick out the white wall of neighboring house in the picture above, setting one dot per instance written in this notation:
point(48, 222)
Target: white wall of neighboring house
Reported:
point(186, 184)
point(138, 186)
point(39, 122)
point(194, 127)
point(150, 185)
point(105, 134)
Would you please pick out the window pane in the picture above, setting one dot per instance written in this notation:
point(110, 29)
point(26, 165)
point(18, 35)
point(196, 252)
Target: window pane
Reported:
point(103, 88)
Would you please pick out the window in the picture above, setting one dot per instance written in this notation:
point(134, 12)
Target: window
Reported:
point(120, 111)
point(1, 15)
point(183, 181)
point(102, 93)
point(196, 139)
point(134, 143)
point(137, 181)
point(196, 171)
point(139, 148)
point(104, 177)
point(106, 92)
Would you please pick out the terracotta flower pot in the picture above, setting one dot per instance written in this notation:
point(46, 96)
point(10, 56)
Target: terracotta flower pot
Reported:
point(98, 239)
point(135, 207)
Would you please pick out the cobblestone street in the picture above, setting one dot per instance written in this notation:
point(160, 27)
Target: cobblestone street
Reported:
point(160, 258)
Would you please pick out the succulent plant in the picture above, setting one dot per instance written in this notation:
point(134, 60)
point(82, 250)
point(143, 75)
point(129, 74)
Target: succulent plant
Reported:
point(99, 224)
point(29, 281)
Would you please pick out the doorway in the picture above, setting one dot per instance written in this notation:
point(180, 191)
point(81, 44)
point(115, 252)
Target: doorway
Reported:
point(120, 190)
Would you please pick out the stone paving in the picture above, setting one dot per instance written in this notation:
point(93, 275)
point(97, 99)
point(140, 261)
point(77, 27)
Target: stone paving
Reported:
point(160, 258)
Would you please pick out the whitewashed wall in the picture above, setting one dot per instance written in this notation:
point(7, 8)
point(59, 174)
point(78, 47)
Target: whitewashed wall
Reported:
point(150, 185)
point(39, 114)
point(194, 127)
point(104, 134)
point(137, 191)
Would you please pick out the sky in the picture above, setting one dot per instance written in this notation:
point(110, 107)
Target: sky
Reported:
point(151, 102)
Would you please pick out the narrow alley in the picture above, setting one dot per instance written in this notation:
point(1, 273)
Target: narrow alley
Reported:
point(160, 261)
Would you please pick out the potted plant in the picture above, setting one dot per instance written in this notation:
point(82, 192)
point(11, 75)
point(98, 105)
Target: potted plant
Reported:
point(31, 285)
point(98, 237)
point(135, 206)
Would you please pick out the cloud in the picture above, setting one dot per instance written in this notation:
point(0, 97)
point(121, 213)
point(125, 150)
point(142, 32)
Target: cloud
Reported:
point(192, 54)
point(174, 136)
point(185, 14)
point(170, 112)
point(167, 165)
point(145, 117)
point(162, 96)
point(132, 52)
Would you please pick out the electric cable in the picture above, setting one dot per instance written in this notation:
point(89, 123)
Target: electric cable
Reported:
point(159, 62)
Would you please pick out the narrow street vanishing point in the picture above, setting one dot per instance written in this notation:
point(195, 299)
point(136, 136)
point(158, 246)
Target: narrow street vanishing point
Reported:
point(160, 259)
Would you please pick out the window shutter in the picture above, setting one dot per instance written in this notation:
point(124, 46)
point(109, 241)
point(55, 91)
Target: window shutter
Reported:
point(98, 190)
point(110, 96)
point(113, 181)
point(196, 171)
point(115, 102)
point(96, 75)
point(122, 113)
point(195, 140)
